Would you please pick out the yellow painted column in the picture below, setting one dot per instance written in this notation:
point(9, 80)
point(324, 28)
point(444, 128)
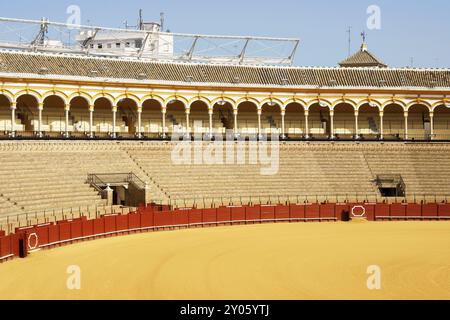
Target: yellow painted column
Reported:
point(114, 111)
point(67, 110)
point(40, 109)
point(431, 125)
point(406, 125)
point(332, 135)
point(259, 122)
point(188, 125)
point(283, 124)
point(307, 124)
point(211, 113)
point(236, 130)
point(164, 112)
point(91, 121)
point(13, 119)
point(381, 125)
point(356, 124)
point(139, 113)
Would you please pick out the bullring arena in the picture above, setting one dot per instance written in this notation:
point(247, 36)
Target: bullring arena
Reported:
point(89, 179)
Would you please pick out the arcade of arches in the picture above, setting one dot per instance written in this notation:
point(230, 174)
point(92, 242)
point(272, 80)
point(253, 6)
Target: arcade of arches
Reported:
point(79, 116)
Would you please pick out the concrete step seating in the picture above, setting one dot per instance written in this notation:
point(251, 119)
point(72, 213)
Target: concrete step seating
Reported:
point(48, 175)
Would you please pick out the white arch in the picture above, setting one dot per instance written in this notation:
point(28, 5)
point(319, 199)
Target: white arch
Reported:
point(183, 100)
point(369, 101)
point(215, 101)
point(28, 92)
point(129, 96)
point(200, 99)
point(418, 102)
point(106, 96)
point(439, 104)
point(153, 97)
point(8, 95)
point(344, 101)
point(396, 102)
point(277, 101)
point(247, 99)
point(300, 102)
point(87, 97)
point(55, 93)
point(316, 101)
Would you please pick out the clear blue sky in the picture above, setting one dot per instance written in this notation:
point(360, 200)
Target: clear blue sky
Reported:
point(409, 28)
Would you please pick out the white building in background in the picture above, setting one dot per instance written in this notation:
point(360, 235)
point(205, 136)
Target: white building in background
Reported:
point(148, 42)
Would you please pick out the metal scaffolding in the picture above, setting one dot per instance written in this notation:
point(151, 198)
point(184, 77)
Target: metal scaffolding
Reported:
point(54, 37)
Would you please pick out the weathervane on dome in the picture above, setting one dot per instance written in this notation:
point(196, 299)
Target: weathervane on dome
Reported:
point(364, 45)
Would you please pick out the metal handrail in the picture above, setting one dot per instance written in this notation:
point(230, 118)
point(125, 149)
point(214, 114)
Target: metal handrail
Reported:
point(338, 198)
point(105, 179)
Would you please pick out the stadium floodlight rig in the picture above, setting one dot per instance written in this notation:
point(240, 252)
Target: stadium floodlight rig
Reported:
point(146, 43)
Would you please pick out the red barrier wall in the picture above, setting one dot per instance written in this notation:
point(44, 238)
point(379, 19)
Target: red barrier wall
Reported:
point(76, 229)
point(99, 226)
point(238, 214)
point(32, 239)
point(163, 218)
point(223, 214)
point(43, 235)
point(398, 210)
point(297, 211)
point(134, 221)
point(327, 211)
point(253, 213)
point(312, 211)
point(195, 216)
point(110, 223)
point(357, 210)
point(64, 231)
point(209, 215)
point(23, 229)
point(88, 228)
point(181, 217)
point(382, 210)
point(370, 211)
point(147, 220)
point(164, 208)
point(15, 242)
point(141, 209)
point(414, 210)
point(444, 210)
point(282, 212)
point(2, 233)
point(430, 210)
point(268, 213)
point(122, 223)
point(5, 246)
point(53, 233)
point(340, 208)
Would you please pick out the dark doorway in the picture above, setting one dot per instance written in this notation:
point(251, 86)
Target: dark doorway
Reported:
point(389, 192)
point(391, 185)
point(22, 248)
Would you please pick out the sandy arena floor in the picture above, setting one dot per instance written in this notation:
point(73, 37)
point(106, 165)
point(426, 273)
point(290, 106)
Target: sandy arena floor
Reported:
point(273, 261)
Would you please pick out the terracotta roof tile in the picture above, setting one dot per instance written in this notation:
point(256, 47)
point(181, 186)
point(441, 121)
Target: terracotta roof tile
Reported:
point(63, 65)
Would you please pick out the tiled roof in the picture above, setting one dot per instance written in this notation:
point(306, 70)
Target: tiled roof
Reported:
point(363, 58)
point(83, 67)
